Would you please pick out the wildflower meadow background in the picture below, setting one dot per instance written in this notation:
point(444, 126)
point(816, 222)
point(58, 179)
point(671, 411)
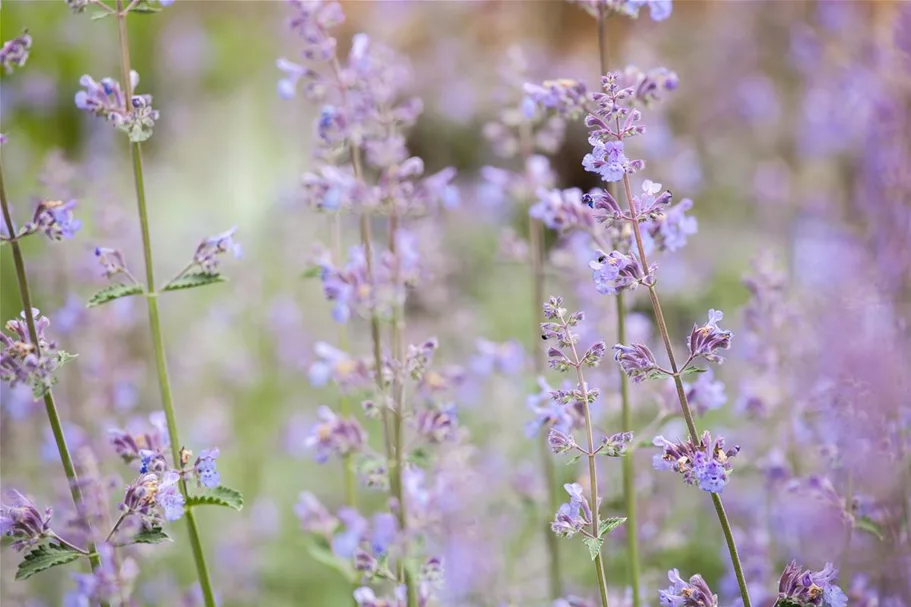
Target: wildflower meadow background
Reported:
point(457, 303)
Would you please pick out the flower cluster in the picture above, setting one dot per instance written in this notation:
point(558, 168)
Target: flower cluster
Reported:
point(568, 98)
point(695, 593)
point(706, 464)
point(21, 521)
point(153, 495)
point(134, 116)
point(209, 250)
point(335, 435)
point(637, 361)
point(574, 516)
point(707, 339)
point(25, 362)
point(619, 272)
point(14, 53)
point(799, 587)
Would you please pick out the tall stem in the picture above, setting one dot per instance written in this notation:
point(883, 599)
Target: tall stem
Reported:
point(592, 474)
point(164, 382)
point(684, 403)
point(344, 400)
point(536, 239)
point(53, 416)
point(629, 470)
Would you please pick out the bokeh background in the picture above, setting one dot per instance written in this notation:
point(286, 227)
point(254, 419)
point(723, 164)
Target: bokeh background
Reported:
point(790, 130)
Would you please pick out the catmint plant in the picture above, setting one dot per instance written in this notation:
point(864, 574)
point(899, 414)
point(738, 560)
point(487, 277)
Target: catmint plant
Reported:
point(161, 490)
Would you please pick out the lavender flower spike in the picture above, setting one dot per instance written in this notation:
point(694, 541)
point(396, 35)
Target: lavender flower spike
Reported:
point(637, 361)
point(706, 464)
point(206, 256)
point(14, 53)
point(21, 520)
point(805, 588)
point(695, 593)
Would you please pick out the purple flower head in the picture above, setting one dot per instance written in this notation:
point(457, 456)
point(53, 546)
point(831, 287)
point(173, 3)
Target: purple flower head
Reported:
point(706, 464)
point(107, 99)
point(437, 425)
point(658, 9)
point(141, 440)
point(563, 210)
point(333, 188)
point(616, 445)
point(14, 53)
point(22, 361)
point(652, 201)
point(637, 361)
point(695, 593)
point(206, 473)
point(55, 219)
point(111, 260)
point(152, 461)
point(338, 366)
point(799, 587)
point(507, 358)
point(313, 516)
point(707, 339)
point(312, 21)
point(566, 97)
point(21, 521)
point(206, 255)
point(419, 357)
point(606, 159)
point(169, 497)
point(139, 498)
point(560, 442)
point(618, 272)
point(574, 515)
point(335, 435)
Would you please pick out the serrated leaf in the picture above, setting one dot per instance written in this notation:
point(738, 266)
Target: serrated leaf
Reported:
point(594, 546)
point(609, 524)
point(219, 496)
point(321, 552)
point(114, 292)
point(43, 558)
point(656, 375)
point(865, 523)
point(574, 459)
point(193, 280)
point(692, 370)
point(151, 536)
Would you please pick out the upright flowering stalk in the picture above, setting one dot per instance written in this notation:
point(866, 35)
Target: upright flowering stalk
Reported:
point(580, 515)
point(611, 123)
point(28, 355)
point(133, 114)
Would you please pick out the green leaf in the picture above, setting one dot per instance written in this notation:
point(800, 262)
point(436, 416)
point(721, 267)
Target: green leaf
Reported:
point(151, 536)
point(574, 459)
point(312, 272)
point(865, 523)
point(609, 524)
point(44, 557)
point(100, 15)
point(656, 375)
point(219, 496)
point(691, 371)
point(114, 292)
point(321, 552)
point(594, 546)
point(192, 280)
point(420, 457)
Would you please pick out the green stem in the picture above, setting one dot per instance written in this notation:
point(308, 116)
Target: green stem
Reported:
point(53, 416)
point(164, 382)
point(629, 469)
point(592, 473)
point(684, 403)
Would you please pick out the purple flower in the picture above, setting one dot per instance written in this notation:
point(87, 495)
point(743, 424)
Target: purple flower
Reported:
point(695, 593)
point(574, 515)
point(106, 584)
point(14, 53)
point(206, 255)
point(206, 473)
point(549, 413)
point(618, 272)
point(705, 464)
point(21, 361)
point(567, 97)
point(637, 361)
point(354, 529)
point(169, 496)
point(437, 425)
point(21, 521)
point(312, 20)
point(334, 435)
point(607, 159)
point(805, 587)
point(708, 338)
point(384, 531)
point(139, 498)
point(560, 442)
point(563, 210)
point(55, 219)
point(616, 444)
point(107, 99)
